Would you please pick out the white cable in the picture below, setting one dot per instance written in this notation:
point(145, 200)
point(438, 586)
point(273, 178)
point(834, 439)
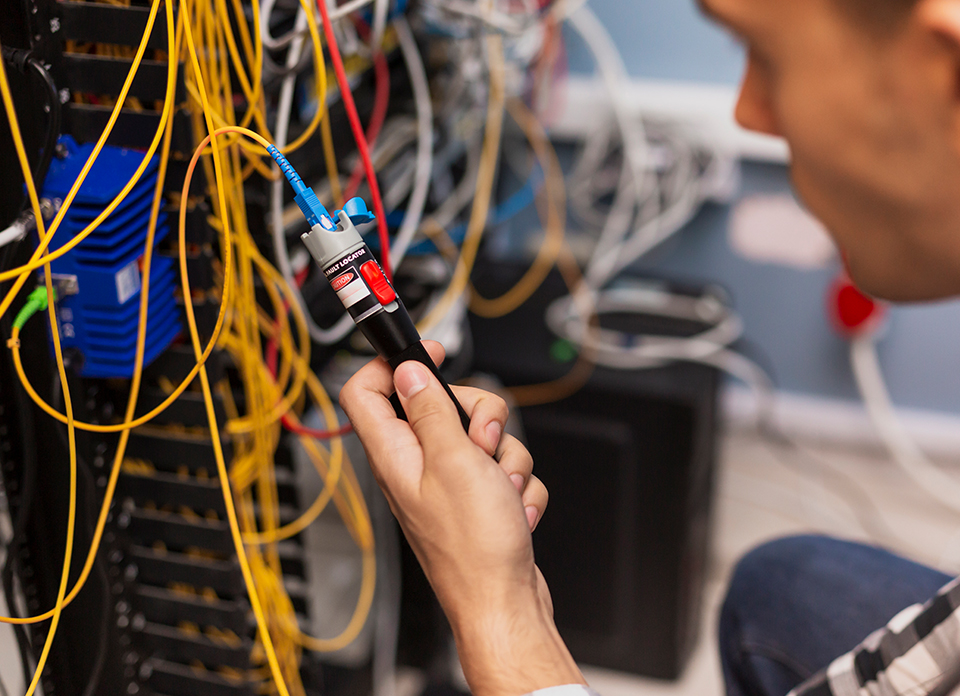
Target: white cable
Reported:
point(647, 236)
point(496, 20)
point(275, 43)
point(615, 249)
point(618, 247)
point(613, 72)
point(380, 10)
point(285, 106)
point(624, 351)
point(709, 348)
point(346, 32)
point(348, 8)
point(904, 451)
point(14, 233)
point(447, 212)
point(386, 623)
point(418, 197)
point(424, 164)
point(562, 9)
point(583, 188)
point(268, 40)
point(402, 173)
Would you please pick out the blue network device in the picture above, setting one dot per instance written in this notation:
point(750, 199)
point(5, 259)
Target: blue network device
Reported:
point(99, 281)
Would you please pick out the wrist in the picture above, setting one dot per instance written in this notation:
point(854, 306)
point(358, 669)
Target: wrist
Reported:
point(513, 650)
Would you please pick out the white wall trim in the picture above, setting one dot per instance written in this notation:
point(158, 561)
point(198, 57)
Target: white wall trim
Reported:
point(842, 423)
point(706, 109)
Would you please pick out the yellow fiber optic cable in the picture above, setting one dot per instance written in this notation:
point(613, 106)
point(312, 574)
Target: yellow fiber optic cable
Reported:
point(245, 425)
point(251, 91)
point(88, 565)
point(268, 602)
point(556, 222)
point(36, 261)
point(142, 420)
point(579, 374)
point(72, 507)
point(321, 78)
point(331, 476)
point(355, 513)
point(360, 614)
point(128, 423)
point(262, 626)
point(68, 403)
point(240, 325)
point(485, 179)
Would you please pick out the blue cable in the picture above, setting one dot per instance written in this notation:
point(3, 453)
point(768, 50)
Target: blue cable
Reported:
point(505, 211)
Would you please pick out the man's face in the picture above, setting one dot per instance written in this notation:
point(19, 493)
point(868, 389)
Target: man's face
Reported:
point(870, 114)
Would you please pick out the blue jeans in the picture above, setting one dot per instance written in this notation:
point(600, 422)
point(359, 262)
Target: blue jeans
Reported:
point(796, 604)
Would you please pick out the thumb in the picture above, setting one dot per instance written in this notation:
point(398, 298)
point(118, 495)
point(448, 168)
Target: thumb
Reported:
point(430, 411)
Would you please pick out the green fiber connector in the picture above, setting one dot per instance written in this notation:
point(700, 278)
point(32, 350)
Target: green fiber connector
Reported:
point(36, 302)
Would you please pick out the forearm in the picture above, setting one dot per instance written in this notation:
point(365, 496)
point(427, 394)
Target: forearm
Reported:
point(514, 652)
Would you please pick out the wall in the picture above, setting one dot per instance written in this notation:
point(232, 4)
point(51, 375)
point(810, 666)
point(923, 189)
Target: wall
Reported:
point(663, 40)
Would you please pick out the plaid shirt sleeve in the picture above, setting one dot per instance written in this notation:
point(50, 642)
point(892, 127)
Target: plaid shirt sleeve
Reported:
point(916, 654)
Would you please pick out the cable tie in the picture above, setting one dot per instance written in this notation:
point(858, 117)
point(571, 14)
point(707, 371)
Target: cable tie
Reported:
point(13, 343)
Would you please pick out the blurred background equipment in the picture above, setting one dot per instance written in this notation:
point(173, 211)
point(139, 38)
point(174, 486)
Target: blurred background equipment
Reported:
point(560, 197)
point(629, 459)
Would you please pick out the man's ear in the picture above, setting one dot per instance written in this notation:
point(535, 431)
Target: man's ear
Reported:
point(941, 20)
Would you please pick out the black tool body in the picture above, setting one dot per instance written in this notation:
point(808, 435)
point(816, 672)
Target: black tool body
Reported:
point(359, 281)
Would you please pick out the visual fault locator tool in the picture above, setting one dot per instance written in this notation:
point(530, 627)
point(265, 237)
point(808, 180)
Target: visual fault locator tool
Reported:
point(357, 278)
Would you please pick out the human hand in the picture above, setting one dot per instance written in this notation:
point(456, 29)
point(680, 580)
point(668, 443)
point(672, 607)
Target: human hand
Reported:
point(468, 518)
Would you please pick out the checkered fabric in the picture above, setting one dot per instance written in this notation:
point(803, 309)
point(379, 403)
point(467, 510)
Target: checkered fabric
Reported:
point(917, 654)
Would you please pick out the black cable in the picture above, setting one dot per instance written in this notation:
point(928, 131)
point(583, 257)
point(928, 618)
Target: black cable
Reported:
point(22, 59)
point(53, 124)
point(26, 496)
point(91, 504)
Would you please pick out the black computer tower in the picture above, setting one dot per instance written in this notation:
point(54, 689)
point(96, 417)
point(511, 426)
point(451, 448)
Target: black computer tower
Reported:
point(629, 461)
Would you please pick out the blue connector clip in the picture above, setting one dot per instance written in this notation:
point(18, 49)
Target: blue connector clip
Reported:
point(356, 210)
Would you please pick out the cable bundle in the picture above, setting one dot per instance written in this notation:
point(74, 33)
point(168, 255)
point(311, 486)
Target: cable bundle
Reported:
point(437, 169)
point(239, 327)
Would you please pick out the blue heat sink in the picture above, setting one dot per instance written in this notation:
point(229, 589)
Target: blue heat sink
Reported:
point(99, 320)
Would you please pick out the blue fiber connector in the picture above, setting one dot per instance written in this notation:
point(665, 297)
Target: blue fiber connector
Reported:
point(306, 199)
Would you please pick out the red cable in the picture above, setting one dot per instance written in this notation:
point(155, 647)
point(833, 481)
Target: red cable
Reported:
point(316, 434)
point(558, 93)
point(301, 277)
point(285, 419)
point(362, 146)
point(381, 103)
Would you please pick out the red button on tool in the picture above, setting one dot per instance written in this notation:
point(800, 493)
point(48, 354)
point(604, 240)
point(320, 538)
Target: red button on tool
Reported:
point(374, 277)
